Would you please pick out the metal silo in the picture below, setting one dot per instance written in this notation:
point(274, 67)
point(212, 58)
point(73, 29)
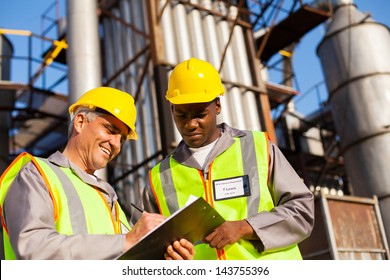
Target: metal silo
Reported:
point(6, 52)
point(355, 57)
point(6, 99)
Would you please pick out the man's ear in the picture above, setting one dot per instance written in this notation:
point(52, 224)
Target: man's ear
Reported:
point(218, 106)
point(79, 121)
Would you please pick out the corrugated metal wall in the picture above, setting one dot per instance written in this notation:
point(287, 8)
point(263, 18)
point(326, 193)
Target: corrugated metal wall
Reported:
point(187, 31)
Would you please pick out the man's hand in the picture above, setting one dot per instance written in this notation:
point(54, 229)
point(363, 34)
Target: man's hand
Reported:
point(228, 233)
point(180, 250)
point(145, 224)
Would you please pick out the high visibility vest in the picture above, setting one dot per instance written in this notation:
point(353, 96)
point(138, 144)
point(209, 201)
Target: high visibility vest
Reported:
point(71, 196)
point(173, 183)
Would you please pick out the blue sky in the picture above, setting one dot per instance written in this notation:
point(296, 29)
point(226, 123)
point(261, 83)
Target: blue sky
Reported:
point(27, 15)
point(306, 62)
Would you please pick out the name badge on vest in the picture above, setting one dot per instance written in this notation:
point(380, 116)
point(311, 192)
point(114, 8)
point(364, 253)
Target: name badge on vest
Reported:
point(231, 187)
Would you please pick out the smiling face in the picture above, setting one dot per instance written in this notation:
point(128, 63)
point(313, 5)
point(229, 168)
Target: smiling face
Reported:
point(197, 122)
point(95, 141)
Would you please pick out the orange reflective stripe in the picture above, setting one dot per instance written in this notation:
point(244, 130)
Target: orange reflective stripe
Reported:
point(210, 186)
point(221, 254)
point(118, 221)
point(2, 221)
point(1, 179)
point(206, 193)
point(114, 224)
point(47, 183)
point(269, 158)
point(56, 211)
point(12, 164)
point(154, 192)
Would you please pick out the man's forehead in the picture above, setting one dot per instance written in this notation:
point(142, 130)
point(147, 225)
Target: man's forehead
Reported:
point(196, 107)
point(116, 123)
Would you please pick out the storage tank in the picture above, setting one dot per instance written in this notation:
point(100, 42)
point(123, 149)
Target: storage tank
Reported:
point(355, 57)
point(6, 99)
point(6, 52)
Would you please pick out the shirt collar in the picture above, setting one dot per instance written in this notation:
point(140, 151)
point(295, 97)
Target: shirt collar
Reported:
point(59, 159)
point(183, 155)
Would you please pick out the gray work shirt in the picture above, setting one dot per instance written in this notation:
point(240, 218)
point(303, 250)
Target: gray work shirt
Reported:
point(292, 218)
point(29, 216)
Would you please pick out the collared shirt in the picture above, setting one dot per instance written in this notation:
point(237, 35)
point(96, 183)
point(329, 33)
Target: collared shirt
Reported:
point(28, 212)
point(292, 219)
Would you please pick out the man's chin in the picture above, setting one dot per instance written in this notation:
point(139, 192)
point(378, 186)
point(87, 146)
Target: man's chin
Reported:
point(193, 144)
point(102, 164)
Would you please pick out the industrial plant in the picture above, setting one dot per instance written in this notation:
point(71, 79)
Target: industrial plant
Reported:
point(341, 150)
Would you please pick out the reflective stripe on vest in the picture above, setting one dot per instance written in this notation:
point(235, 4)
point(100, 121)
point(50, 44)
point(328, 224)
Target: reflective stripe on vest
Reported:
point(247, 156)
point(76, 218)
point(78, 207)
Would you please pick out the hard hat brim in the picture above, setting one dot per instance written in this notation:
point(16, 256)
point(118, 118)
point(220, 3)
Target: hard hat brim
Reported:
point(195, 97)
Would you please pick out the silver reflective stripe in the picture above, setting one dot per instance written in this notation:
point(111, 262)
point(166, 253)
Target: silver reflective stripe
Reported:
point(168, 187)
point(248, 151)
point(76, 209)
point(250, 168)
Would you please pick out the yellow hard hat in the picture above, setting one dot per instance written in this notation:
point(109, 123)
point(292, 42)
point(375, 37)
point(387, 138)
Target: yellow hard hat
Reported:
point(194, 81)
point(118, 103)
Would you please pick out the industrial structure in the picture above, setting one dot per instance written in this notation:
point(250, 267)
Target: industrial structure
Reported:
point(340, 151)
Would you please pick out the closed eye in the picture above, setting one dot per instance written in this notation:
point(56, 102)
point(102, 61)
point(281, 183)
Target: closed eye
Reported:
point(114, 131)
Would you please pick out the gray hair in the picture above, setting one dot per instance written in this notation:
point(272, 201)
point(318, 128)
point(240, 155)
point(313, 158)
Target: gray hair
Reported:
point(88, 112)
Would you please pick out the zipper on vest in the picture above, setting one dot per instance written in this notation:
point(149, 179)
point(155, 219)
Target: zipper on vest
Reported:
point(207, 183)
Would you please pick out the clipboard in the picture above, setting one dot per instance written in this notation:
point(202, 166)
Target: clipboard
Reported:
point(192, 222)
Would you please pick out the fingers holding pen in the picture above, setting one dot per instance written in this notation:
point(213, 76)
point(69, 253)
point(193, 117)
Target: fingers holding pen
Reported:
point(144, 225)
point(178, 250)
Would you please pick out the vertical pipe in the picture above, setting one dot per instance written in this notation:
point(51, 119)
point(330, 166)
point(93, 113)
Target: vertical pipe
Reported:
point(234, 95)
point(172, 47)
point(127, 46)
point(127, 41)
point(108, 47)
point(210, 34)
point(214, 55)
point(138, 42)
point(167, 26)
point(119, 46)
point(251, 112)
point(182, 39)
point(162, 50)
point(83, 53)
point(196, 33)
point(6, 100)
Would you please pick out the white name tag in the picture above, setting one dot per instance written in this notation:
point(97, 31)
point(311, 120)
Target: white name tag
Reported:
point(231, 187)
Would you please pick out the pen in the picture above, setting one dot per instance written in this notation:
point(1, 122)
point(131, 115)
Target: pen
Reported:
point(136, 207)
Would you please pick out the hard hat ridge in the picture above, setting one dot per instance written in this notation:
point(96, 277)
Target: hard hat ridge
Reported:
point(118, 103)
point(194, 81)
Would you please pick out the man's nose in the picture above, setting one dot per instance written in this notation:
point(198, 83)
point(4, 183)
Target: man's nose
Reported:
point(192, 123)
point(116, 140)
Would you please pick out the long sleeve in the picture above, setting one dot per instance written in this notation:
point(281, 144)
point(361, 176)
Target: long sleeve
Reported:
point(147, 202)
point(292, 219)
point(29, 216)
